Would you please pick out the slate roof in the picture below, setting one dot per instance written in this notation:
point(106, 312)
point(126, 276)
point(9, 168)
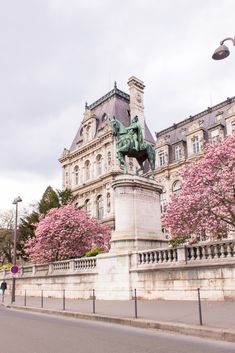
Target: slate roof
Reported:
point(114, 103)
point(207, 120)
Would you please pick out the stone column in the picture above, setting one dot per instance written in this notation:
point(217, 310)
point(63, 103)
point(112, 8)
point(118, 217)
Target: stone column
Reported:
point(136, 89)
point(137, 214)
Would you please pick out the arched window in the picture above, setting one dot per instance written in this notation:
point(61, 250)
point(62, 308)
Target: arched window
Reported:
point(87, 170)
point(99, 165)
point(108, 202)
point(100, 207)
point(87, 205)
point(88, 133)
point(176, 187)
point(76, 175)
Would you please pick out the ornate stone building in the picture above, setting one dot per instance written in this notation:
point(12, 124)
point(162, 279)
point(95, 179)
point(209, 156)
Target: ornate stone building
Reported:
point(90, 165)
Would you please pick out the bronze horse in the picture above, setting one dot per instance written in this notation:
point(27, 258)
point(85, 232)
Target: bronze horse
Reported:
point(125, 147)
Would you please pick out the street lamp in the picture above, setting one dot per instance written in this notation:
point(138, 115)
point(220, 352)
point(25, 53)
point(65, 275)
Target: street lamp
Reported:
point(15, 202)
point(222, 51)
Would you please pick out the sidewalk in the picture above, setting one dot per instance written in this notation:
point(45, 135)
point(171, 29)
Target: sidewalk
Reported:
point(218, 318)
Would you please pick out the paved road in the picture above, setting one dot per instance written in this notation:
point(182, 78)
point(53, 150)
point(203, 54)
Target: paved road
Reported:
point(22, 332)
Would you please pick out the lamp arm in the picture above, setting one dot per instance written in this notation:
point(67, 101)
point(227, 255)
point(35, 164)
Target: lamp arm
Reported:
point(229, 38)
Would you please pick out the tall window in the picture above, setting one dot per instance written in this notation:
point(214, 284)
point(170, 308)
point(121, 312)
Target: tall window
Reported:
point(76, 175)
point(178, 152)
point(108, 203)
point(233, 125)
point(88, 133)
point(99, 165)
point(100, 207)
point(161, 158)
point(87, 170)
point(195, 145)
point(163, 202)
point(88, 206)
point(109, 158)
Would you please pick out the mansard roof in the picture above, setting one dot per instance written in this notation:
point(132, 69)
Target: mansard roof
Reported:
point(114, 103)
point(207, 119)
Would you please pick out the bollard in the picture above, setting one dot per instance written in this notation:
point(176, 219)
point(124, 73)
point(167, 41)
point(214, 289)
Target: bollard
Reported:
point(135, 297)
point(63, 299)
point(25, 298)
point(93, 300)
point(199, 306)
point(41, 298)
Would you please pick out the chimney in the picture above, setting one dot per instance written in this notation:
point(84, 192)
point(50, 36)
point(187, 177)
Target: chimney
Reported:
point(136, 89)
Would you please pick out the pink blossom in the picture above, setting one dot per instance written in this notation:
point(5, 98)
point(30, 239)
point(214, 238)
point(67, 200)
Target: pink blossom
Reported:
point(66, 233)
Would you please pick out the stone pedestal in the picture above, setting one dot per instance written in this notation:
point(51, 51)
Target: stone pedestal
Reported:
point(137, 214)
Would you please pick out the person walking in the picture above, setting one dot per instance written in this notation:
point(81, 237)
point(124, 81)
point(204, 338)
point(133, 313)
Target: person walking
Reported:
point(3, 288)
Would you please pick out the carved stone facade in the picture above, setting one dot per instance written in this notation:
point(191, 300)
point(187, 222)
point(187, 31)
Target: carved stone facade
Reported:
point(90, 165)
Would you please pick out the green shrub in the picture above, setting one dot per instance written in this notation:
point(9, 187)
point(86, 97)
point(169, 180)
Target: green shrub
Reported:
point(92, 252)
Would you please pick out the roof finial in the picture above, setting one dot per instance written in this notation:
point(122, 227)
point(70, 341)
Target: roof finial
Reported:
point(86, 105)
point(115, 84)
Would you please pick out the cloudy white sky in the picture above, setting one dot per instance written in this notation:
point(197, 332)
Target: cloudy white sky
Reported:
point(57, 54)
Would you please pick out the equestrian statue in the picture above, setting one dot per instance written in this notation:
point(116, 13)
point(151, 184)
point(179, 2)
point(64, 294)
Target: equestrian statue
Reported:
point(130, 142)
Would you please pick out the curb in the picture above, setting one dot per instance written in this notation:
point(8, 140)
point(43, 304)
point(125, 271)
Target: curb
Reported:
point(184, 329)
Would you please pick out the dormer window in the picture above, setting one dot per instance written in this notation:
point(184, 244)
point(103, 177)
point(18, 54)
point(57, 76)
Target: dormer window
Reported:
point(104, 117)
point(178, 152)
point(215, 136)
point(161, 155)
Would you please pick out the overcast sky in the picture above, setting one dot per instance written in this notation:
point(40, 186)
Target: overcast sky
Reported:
point(57, 54)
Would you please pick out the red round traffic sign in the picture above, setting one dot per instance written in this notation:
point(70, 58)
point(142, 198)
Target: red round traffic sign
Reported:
point(14, 269)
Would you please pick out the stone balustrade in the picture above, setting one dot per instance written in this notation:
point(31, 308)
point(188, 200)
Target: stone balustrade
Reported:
point(67, 266)
point(159, 256)
point(217, 251)
point(211, 251)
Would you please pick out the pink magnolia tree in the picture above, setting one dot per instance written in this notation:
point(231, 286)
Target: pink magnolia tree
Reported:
point(66, 233)
point(205, 206)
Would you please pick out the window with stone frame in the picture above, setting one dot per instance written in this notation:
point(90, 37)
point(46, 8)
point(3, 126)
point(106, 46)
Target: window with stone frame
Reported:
point(178, 152)
point(214, 136)
point(87, 170)
point(163, 201)
point(100, 207)
point(195, 145)
point(161, 156)
point(176, 186)
point(232, 126)
point(109, 159)
point(76, 175)
point(88, 133)
point(99, 165)
point(108, 200)
point(87, 206)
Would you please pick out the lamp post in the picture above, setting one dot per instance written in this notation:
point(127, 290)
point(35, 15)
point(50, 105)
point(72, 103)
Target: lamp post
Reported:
point(222, 51)
point(15, 202)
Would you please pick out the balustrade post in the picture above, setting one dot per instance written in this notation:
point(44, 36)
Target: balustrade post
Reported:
point(72, 265)
point(181, 254)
